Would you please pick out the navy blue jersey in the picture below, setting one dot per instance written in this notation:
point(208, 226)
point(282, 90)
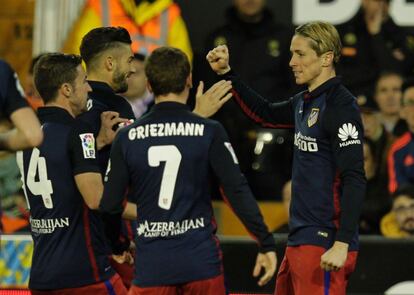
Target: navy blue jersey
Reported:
point(11, 92)
point(102, 99)
point(166, 160)
point(70, 249)
point(328, 179)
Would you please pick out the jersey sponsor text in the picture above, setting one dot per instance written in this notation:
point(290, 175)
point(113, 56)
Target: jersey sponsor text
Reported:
point(166, 229)
point(48, 226)
point(166, 129)
point(305, 143)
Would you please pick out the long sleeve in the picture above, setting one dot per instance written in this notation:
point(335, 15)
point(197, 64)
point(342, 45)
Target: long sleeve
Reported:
point(343, 123)
point(260, 110)
point(11, 92)
point(111, 206)
point(236, 191)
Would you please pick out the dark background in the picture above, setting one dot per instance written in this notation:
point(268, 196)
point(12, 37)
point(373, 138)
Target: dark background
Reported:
point(203, 16)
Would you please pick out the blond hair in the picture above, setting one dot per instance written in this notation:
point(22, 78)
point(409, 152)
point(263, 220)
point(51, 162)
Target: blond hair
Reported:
point(324, 38)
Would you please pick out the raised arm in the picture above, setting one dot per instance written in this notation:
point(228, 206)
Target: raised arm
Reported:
point(257, 108)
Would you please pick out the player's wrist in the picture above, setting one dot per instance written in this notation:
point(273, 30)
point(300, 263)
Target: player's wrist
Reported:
point(341, 245)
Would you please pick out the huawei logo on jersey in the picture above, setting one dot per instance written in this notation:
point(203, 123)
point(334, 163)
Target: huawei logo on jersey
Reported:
point(348, 134)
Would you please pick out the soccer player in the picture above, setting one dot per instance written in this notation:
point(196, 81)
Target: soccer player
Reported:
point(108, 57)
point(328, 182)
point(63, 187)
point(166, 160)
point(27, 132)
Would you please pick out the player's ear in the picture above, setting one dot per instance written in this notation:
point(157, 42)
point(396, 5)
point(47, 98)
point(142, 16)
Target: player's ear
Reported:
point(109, 62)
point(327, 59)
point(66, 89)
point(189, 81)
point(149, 87)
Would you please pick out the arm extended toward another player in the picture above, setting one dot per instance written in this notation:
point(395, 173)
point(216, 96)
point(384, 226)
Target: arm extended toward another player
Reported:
point(238, 196)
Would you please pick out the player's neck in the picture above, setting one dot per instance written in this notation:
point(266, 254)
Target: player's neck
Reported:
point(100, 76)
point(60, 104)
point(324, 76)
point(172, 97)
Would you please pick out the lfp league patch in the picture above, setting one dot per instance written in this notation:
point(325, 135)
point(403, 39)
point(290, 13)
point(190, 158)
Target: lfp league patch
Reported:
point(88, 145)
point(313, 117)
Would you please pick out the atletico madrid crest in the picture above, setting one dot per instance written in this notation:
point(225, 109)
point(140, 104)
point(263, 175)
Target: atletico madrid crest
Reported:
point(313, 117)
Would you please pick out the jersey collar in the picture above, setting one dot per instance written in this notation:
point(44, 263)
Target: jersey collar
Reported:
point(324, 87)
point(54, 114)
point(170, 105)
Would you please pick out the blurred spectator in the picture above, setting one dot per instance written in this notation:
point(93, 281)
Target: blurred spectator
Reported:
point(401, 155)
point(260, 48)
point(151, 23)
point(388, 96)
point(377, 202)
point(286, 197)
point(373, 43)
point(137, 94)
point(375, 132)
point(32, 96)
point(399, 223)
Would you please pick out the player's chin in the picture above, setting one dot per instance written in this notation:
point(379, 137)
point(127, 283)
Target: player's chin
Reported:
point(299, 81)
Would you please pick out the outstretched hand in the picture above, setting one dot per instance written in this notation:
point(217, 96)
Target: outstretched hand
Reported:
point(218, 58)
point(268, 261)
point(208, 103)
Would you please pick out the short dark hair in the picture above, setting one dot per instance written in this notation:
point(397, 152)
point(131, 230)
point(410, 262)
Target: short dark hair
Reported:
point(101, 39)
point(139, 56)
point(34, 61)
point(167, 70)
point(404, 190)
point(408, 83)
point(386, 74)
point(52, 70)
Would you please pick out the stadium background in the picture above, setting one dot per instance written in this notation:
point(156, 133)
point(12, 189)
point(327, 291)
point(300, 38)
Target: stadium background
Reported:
point(382, 262)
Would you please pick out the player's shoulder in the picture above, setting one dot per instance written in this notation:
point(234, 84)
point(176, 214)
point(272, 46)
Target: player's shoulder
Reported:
point(340, 96)
point(79, 126)
point(211, 123)
point(5, 67)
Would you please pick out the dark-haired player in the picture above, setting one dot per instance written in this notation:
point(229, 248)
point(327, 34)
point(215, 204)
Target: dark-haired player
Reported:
point(63, 187)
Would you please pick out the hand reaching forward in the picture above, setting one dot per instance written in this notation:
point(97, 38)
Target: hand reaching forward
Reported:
point(218, 58)
point(208, 103)
point(268, 261)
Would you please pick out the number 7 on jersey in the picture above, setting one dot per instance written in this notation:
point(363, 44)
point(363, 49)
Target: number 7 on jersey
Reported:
point(172, 158)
